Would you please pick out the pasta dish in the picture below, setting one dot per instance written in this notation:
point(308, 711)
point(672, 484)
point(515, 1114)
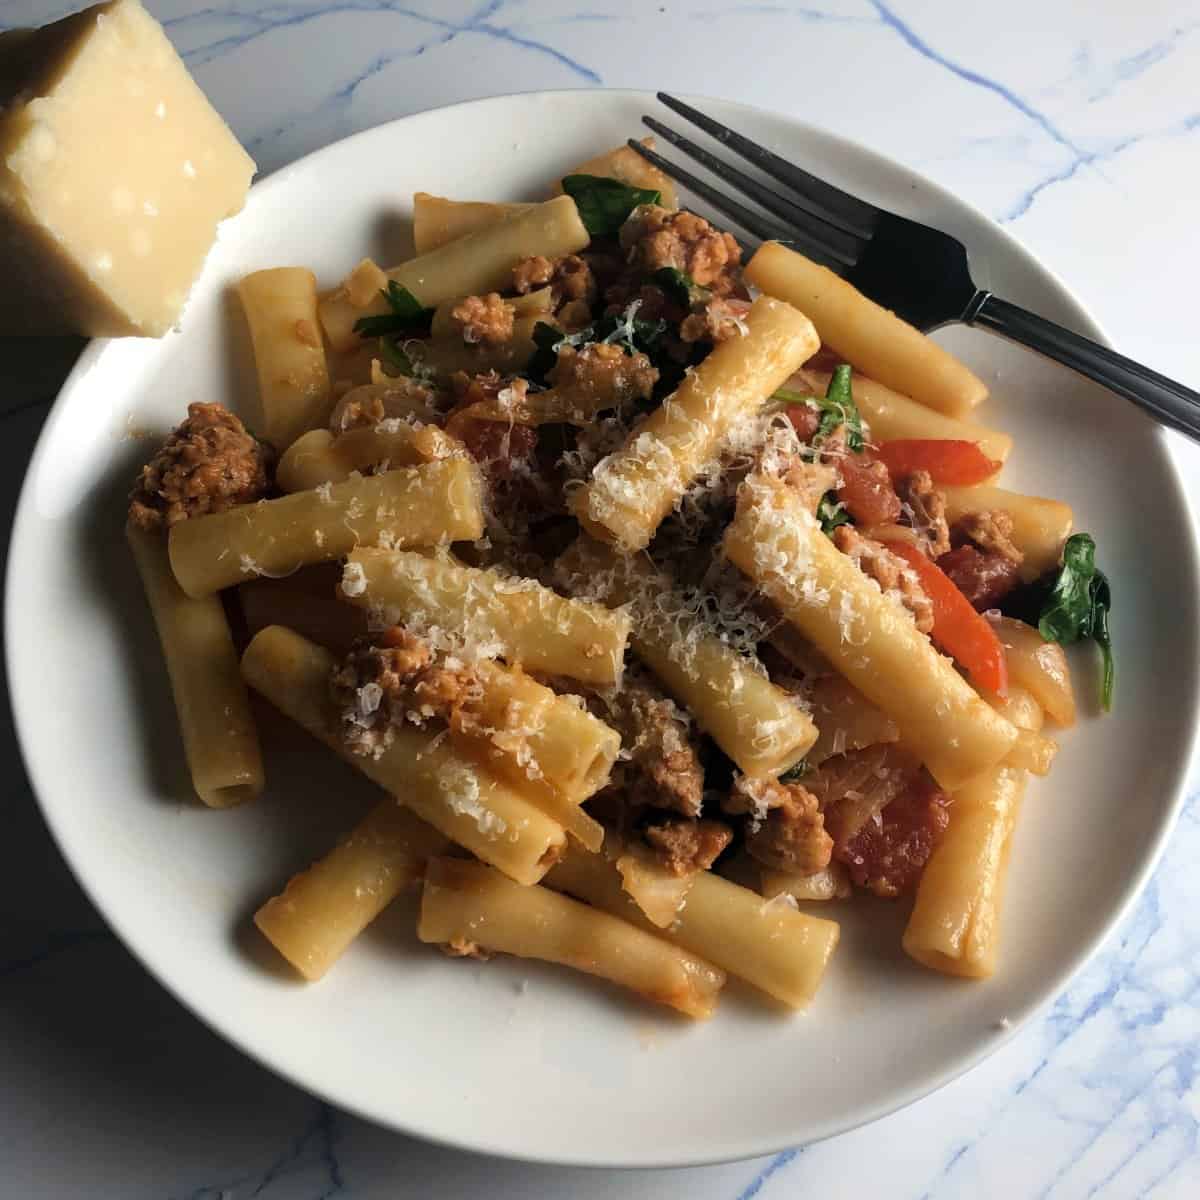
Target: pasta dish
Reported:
point(670, 600)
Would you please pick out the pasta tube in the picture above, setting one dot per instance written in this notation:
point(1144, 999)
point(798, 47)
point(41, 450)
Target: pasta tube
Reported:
point(219, 737)
point(458, 798)
point(466, 905)
point(1040, 526)
point(874, 340)
point(293, 377)
point(833, 883)
point(634, 488)
point(516, 618)
point(414, 506)
point(437, 220)
point(955, 922)
point(552, 750)
point(478, 262)
point(868, 637)
point(892, 416)
point(323, 909)
point(629, 167)
point(756, 723)
point(319, 457)
point(768, 944)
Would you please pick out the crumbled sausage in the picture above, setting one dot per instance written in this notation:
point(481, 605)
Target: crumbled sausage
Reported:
point(389, 679)
point(717, 321)
point(366, 406)
point(655, 237)
point(570, 277)
point(894, 576)
point(927, 511)
point(663, 758)
point(792, 836)
point(889, 853)
point(531, 273)
point(684, 845)
point(464, 948)
point(484, 320)
point(209, 464)
point(600, 376)
point(984, 578)
point(991, 531)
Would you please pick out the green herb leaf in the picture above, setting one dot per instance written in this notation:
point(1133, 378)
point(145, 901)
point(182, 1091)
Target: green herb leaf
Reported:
point(395, 356)
point(680, 287)
point(605, 204)
point(832, 513)
point(407, 315)
point(796, 773)
point(1078, 605)
point(837, 408)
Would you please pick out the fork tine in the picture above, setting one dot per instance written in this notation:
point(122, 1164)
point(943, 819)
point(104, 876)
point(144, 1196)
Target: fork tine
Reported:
point(839, 208)
point(749, 220)
point(840, 245)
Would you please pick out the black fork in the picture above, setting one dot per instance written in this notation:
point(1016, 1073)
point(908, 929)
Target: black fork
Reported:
point(918, 272)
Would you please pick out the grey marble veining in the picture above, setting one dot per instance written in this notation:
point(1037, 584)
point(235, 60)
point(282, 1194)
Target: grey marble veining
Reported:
point(1075, 124)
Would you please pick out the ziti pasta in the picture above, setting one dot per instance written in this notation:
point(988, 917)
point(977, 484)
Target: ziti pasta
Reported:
point(654, 621)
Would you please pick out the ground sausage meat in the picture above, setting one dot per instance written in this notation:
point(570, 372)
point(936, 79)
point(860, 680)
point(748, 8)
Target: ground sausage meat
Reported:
point(985, 579)
point(926, 506)
point(655, 237)
point(991, 531)
point(792, 837)
point(390, 679)
point(570, 278)
point(889, 853)
point(892, 573)
point(717, 321)
point(685, 845)
point(209, 464)
point(663, 758)
point(600, 376)
point(483, 320)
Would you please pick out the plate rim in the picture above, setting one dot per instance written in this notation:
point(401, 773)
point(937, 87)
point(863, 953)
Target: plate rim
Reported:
point(477, 1141)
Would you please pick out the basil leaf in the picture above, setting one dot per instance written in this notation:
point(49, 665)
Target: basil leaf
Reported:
point(1078, 605)
point(407, 315)
point(832, 513)
point(605, 204)
point(680, 287)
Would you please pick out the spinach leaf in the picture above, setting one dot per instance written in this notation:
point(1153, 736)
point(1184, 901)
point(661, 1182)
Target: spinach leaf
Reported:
point(796, 773)
point(407, 315)
point(680, 287)
point(832, 513)
point(1078, 605)
point(604, 204)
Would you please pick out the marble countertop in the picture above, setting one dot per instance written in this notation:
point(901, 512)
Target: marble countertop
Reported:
point(1077, 126)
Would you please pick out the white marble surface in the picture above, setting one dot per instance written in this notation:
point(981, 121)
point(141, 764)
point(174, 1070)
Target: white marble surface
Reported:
point(1076, 124)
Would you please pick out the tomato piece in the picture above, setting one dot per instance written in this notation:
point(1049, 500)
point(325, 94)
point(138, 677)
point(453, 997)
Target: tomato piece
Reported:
point(957, 628)
point(805, 420)
point(866, 490)
point(947, 460)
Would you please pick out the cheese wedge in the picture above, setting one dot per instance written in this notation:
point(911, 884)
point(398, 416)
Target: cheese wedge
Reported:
point(114, 172)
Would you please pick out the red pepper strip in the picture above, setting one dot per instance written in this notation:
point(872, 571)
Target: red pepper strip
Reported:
point(957, 628)
point(947, 460)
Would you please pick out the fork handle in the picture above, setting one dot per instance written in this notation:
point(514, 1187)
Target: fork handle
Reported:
point(1168, 402)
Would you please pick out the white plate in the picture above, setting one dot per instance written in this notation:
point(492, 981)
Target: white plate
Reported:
point(507, 1057)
